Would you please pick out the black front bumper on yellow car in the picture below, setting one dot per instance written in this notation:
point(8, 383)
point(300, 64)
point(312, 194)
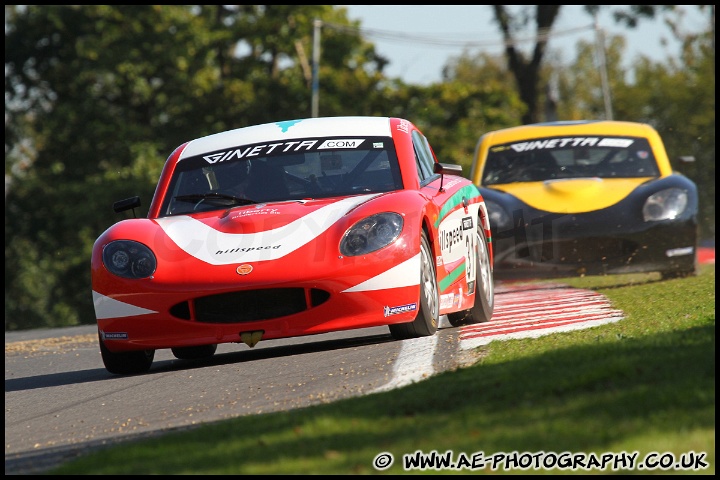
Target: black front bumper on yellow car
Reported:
point(614, 240)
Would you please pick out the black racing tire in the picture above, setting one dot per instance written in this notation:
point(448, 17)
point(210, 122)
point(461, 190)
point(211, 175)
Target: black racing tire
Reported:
point(482, 309)
point(126, 363)
point(194, 353)
point(427, 319)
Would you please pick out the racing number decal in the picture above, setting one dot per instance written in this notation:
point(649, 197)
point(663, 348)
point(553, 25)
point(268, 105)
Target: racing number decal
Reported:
point(470, 252)
point(458, 248)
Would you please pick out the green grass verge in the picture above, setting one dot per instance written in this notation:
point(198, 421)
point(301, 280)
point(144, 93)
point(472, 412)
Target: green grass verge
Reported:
point(644, 384)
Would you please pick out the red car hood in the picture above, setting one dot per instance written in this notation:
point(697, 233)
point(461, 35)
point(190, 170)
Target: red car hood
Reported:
point(257, 232)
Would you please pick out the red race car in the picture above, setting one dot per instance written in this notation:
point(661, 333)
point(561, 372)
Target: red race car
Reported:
point(292, 228)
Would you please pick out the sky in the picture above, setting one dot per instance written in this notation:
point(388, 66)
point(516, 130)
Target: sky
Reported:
point(418, 40)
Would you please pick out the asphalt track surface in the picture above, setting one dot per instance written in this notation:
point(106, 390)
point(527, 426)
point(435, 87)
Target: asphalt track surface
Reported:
point(522, 310)
point(42, 429)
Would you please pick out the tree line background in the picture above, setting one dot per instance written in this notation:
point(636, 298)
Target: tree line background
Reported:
point(98, 96)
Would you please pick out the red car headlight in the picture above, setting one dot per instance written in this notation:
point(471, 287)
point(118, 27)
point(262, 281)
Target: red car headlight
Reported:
point(129, 259)
point(371, 233)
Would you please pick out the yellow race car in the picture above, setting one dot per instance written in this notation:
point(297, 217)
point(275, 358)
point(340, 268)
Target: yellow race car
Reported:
point(585, 198)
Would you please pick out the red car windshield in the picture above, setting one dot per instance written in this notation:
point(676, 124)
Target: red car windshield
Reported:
point(198, 185)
